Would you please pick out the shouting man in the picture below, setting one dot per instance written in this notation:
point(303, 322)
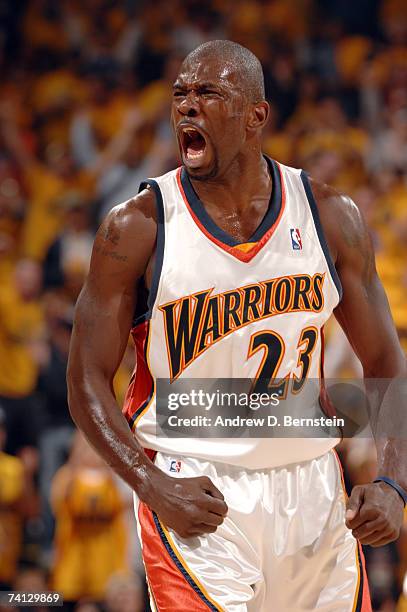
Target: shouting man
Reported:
point(229, 267)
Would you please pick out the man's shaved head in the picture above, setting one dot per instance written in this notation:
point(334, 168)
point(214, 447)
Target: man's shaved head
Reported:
point(245, 63)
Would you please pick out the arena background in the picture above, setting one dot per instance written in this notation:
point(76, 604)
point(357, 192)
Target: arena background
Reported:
point(84, 106)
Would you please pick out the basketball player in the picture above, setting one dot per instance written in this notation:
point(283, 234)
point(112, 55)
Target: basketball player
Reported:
point(216, 246)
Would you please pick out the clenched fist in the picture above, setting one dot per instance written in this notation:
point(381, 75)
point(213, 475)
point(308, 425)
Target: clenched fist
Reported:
point(190, 506)
point(375, 513)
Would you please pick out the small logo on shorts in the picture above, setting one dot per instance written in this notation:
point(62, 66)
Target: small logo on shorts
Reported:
point(175, 466)
point(296, 239)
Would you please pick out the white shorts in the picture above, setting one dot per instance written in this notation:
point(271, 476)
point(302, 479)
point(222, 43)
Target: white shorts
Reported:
point(283, 546)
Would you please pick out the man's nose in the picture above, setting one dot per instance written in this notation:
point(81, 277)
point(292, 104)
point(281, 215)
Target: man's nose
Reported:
point(189, 105)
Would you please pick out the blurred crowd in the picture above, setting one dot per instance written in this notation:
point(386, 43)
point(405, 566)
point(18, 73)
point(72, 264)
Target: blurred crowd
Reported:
point(84, 105)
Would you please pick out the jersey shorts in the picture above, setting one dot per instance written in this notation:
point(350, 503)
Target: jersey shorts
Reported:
point(283, 546)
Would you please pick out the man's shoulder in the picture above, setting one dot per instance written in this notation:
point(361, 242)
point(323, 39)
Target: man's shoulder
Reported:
point(130, 228)
point(140, 211)
point(341, 219)
point(145, 203)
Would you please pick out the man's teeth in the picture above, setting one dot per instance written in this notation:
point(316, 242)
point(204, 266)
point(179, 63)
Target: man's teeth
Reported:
point(191, 152)
point(194, 155)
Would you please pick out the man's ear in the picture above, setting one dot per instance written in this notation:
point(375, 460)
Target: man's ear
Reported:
point(259, 115)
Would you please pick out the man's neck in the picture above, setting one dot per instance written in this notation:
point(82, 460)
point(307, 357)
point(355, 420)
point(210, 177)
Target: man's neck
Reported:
point(246, 180)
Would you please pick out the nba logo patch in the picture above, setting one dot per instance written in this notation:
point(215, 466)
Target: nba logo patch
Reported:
point(175, 466)
point(296, 241)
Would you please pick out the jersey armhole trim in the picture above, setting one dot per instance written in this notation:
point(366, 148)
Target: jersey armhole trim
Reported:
point(321, 236)
point(159, 250)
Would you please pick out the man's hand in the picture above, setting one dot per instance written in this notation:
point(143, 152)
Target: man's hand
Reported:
point(190, 506)
point(375, 513)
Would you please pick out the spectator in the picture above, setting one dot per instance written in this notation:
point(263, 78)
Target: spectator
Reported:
point(67, 260)
point(22, 346)
point(90, 539)
point(56, 438)
point(47, 180)
point(12, 493)
point(121, 166)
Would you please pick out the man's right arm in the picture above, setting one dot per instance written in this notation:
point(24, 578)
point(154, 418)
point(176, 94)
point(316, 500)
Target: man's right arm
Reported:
point(123, 247)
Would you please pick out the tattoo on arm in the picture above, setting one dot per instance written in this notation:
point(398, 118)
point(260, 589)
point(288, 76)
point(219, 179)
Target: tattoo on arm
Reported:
point(109, 237)
point(112, 235)
point(112, 254)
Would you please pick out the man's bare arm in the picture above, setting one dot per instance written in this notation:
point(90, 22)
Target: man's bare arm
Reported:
point(374, 510)
point(102, 325)
point(122, 250)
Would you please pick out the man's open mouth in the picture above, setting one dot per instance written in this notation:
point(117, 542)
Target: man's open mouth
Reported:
point(193, 143)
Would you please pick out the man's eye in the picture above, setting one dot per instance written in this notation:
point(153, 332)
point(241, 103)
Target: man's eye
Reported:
point(209, 92)
point(178, 94)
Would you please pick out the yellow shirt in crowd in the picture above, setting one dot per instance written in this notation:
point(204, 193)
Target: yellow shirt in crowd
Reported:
point(45, 213)
point(11, 524)
point(21, 324)
point(90, 539)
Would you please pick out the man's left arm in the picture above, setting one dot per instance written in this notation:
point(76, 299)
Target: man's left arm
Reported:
point(375, 510)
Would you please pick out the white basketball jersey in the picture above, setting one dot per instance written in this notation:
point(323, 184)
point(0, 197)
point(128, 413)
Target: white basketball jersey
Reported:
point(216, 308)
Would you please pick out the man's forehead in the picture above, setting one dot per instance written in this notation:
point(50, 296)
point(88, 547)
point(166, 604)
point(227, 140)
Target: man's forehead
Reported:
point(209, 69)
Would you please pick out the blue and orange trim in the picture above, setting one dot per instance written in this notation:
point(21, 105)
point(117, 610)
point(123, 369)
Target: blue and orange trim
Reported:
point(166, 567)
point(320, 232)
point(140, 317)
point(242, 251)
point(362, 601)
point(141, 390)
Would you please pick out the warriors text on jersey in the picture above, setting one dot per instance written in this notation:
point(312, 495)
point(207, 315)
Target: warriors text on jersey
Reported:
point(216, 307)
